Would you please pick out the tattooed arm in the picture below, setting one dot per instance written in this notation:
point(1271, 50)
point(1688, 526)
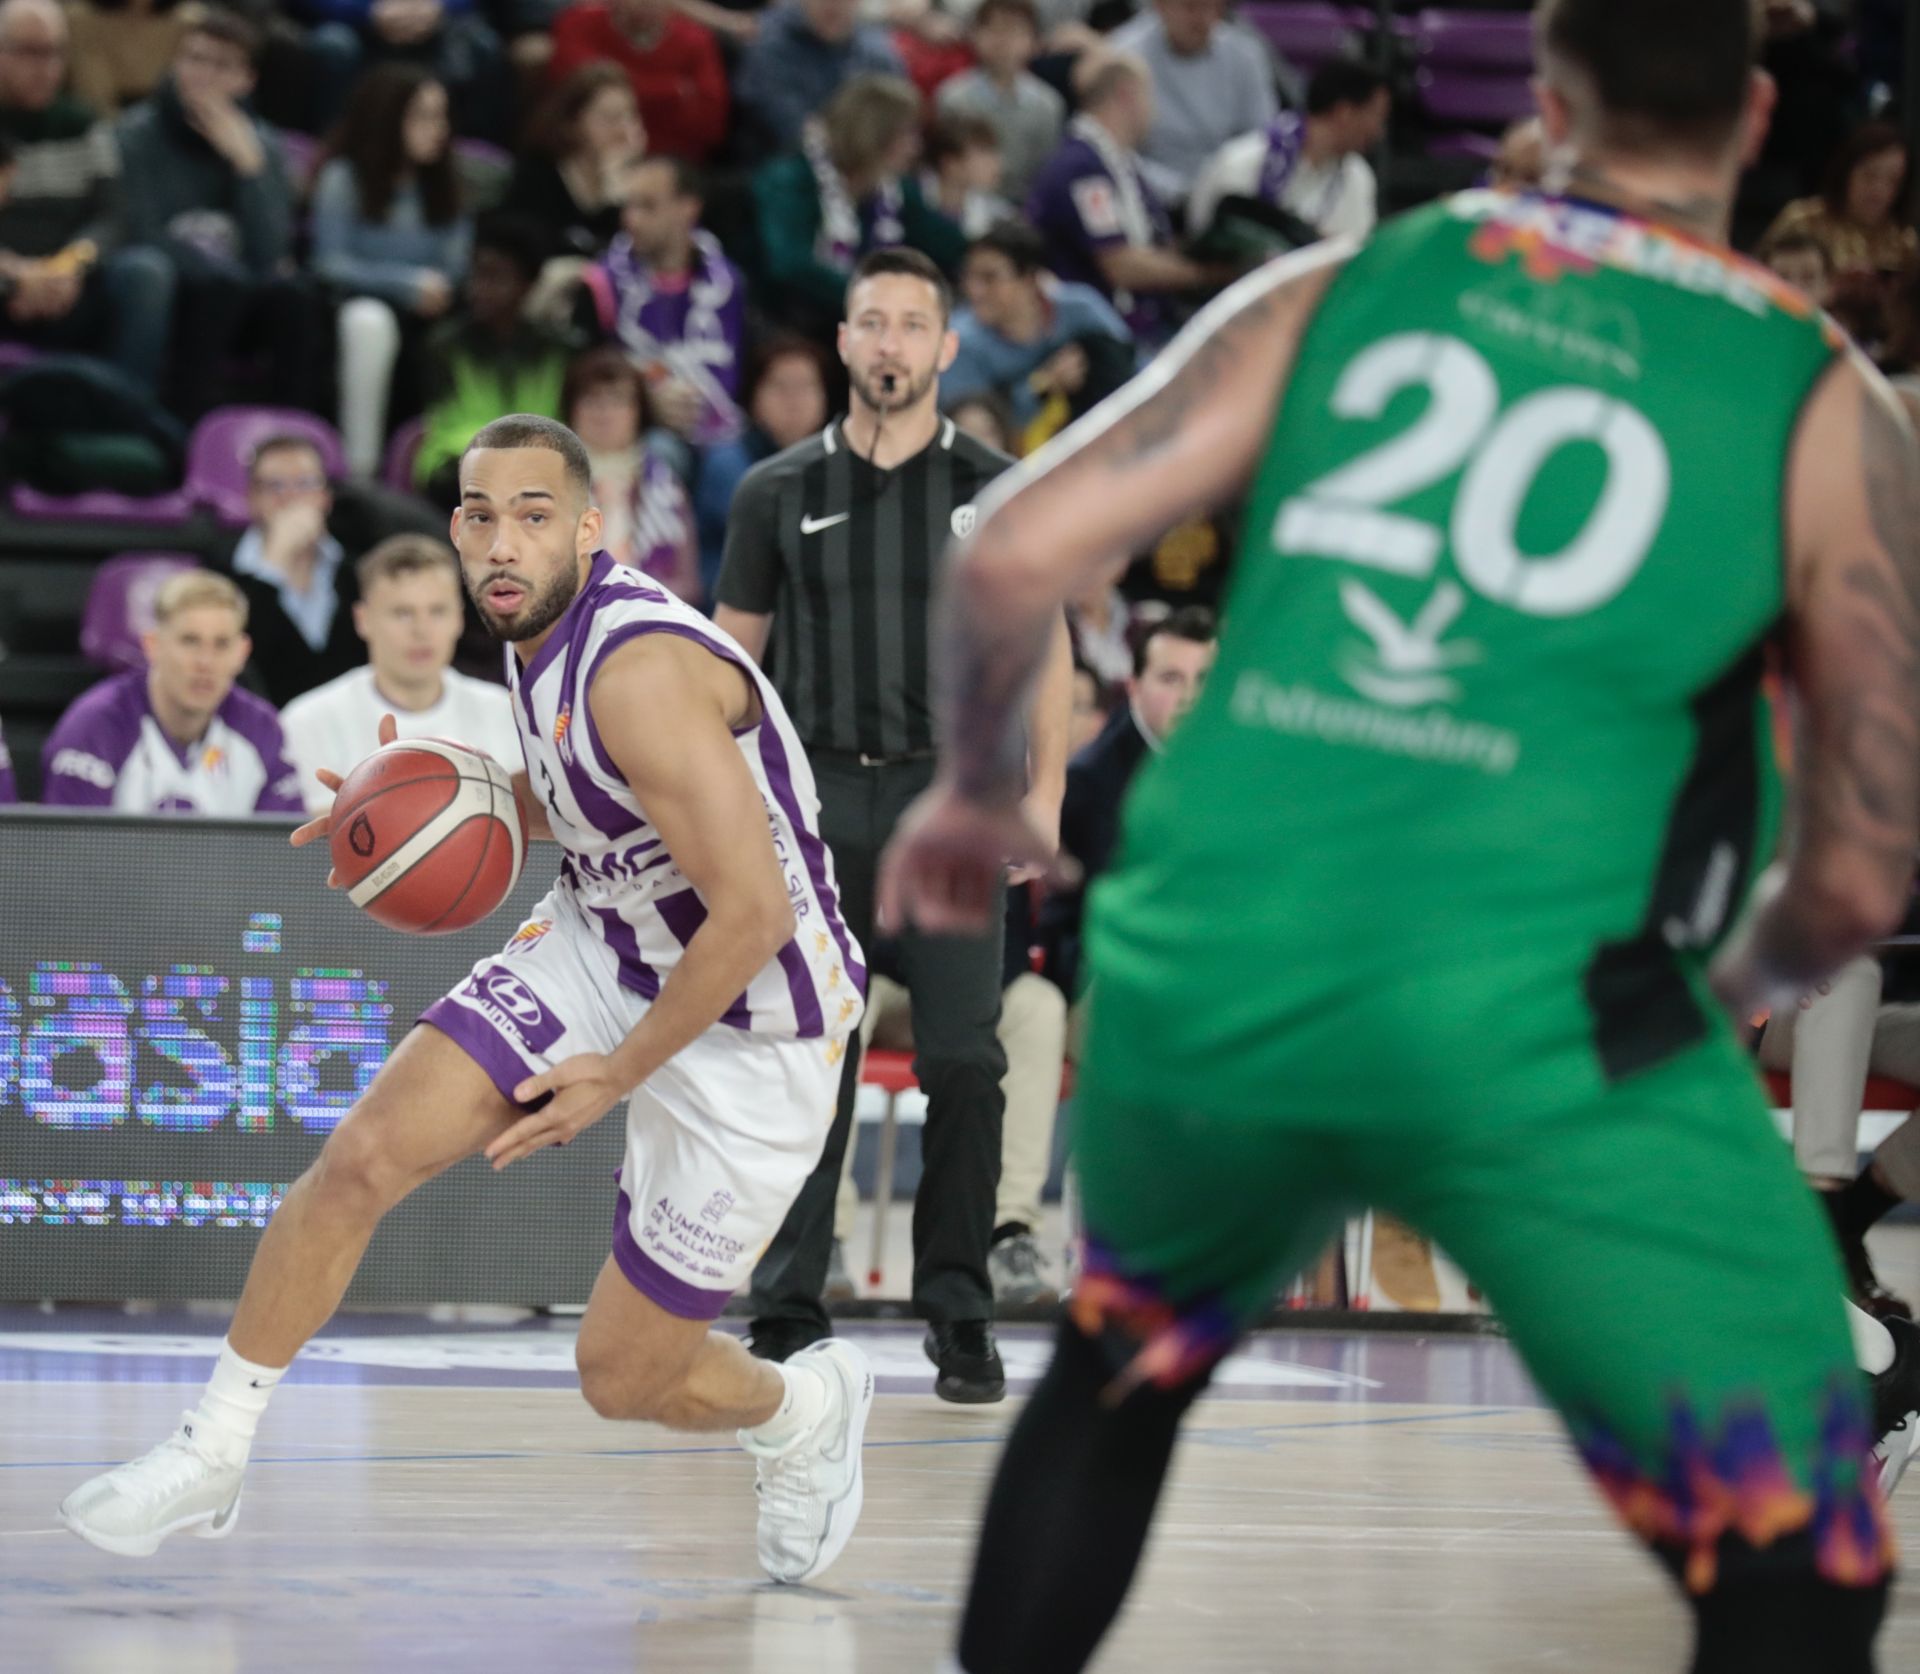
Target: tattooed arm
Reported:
point(1184, 436)
point(1853, 603)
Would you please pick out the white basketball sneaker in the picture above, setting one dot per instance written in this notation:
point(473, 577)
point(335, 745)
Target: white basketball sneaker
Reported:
point(1896, 1406)
point(811, 1493)
point(177, 1486)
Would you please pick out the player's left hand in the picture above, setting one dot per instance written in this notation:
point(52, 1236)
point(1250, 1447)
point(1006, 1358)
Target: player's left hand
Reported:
point(584, 1089)
point(1042, 809)
point(948, 856)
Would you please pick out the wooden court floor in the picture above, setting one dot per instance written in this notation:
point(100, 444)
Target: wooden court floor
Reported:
point(427, 1499)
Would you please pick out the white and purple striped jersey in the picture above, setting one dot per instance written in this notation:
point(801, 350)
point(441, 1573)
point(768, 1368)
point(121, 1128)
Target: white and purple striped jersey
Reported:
point(616, 865)
point(110, 751)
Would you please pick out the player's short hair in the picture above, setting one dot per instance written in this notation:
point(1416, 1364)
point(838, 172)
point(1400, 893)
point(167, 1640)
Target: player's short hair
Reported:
point(1665, 76)
point(1344, 81)
point(1196, 624)
point(911, 263)
point(404, 555)
point(283, 441)
point(1020, 11)
point(196, 590)
point(530, 430)
point(230, 28)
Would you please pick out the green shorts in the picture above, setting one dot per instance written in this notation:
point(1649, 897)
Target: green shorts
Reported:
point(1658, 1262)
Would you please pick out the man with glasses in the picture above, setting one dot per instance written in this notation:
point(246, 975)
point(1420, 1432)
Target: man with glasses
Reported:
point(294, 572)
point(65, 282)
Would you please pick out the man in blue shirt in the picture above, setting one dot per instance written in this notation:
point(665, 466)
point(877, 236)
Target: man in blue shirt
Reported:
point(1023, 333)
point(805, 51)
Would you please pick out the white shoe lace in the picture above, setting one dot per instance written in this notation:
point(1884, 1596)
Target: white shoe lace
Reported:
point(786, 1483)
point(169, 1469)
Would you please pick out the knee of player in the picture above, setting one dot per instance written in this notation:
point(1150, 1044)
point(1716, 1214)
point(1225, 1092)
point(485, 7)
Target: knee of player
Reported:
point(617, 1388)
point(358, 1162)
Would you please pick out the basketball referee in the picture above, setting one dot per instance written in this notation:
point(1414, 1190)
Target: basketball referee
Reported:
point(834, 554)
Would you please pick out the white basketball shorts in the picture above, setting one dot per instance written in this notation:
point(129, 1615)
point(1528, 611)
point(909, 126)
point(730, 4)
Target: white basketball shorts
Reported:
point(719, 1139)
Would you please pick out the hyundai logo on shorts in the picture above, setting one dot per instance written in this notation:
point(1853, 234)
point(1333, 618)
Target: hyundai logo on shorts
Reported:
point(509, 992)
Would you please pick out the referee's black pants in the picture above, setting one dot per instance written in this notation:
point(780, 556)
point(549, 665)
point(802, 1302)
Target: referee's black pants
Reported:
point(954, 983)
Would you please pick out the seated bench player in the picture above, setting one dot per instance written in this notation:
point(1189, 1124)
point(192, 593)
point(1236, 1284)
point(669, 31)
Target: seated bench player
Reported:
point(176, 737)
point(692, 954)
point(410, 615)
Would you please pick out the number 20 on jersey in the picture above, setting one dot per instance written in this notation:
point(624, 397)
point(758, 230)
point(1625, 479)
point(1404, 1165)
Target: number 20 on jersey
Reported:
point(1499, 456)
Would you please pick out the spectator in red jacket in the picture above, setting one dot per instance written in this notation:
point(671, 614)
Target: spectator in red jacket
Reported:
point(673, 63)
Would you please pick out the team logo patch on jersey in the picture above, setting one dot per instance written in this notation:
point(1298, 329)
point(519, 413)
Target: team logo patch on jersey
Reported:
point(964, 518)
point(528, 934)
point(563, 731)
point(214, 759)
point(717, 1207)
point(1099, 210)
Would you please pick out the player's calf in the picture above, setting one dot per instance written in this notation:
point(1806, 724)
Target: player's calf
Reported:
point(1772, 1611)
point(1784, 1554)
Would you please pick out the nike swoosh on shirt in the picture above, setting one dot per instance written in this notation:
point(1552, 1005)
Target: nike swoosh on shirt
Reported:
point(813, 525)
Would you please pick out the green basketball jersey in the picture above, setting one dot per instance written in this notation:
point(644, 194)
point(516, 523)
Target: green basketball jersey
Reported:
point(1483, 769)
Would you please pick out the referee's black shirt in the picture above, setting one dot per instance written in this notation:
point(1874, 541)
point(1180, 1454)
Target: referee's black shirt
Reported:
point(847, 560)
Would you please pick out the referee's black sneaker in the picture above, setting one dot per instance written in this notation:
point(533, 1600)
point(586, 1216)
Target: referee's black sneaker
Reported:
point(782, 1339)
point(969, 1364)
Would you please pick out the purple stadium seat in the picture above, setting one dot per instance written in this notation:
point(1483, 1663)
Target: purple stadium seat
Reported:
point(396, 470)
point(222, 448)
point(1472, 148)
point(1307, 34)
point(104, 506)
point(1455, 98)
point(1483, 41)
point(120, 606)
point(479, 154)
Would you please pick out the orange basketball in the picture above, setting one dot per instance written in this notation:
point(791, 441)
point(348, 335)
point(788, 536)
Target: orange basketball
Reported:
point(427, 836)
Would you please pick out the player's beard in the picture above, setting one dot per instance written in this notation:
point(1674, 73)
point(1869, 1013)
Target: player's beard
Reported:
point(538, 614)
point(908, 392)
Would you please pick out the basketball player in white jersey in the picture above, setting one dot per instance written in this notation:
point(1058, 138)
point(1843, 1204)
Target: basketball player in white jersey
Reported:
point(690, 956)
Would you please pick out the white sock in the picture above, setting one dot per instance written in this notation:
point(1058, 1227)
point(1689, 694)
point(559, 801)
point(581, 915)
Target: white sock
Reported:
point(230, 1406)
point(801, 1409)
point(1872, 1341)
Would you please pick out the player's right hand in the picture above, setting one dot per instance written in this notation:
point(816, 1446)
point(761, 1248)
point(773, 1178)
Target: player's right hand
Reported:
point(947, 857)
point(321, 825)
